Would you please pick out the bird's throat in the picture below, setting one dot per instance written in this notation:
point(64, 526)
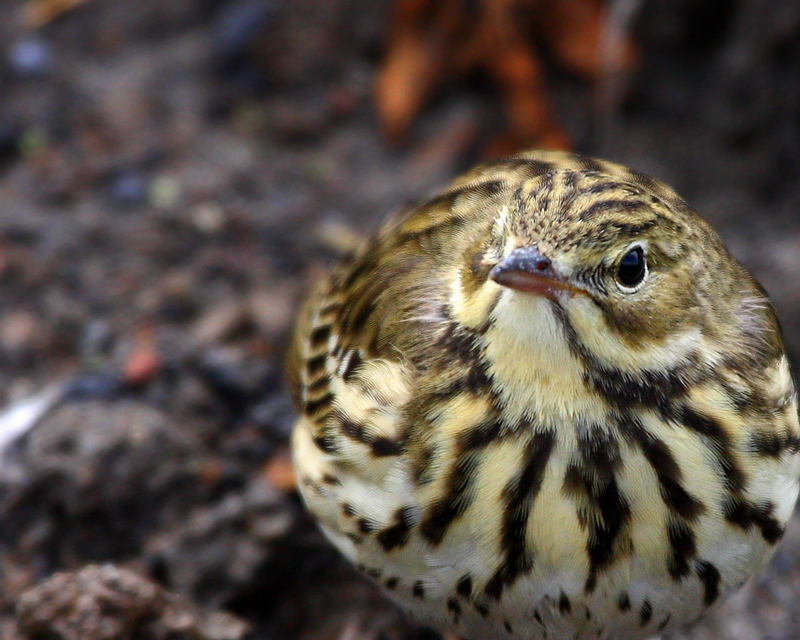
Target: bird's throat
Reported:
point(533, 368)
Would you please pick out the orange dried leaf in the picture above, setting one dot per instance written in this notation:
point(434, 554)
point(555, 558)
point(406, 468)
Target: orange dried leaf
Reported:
point(37, 13)
point(279, 471)
point(432, 42)
point(405, 83)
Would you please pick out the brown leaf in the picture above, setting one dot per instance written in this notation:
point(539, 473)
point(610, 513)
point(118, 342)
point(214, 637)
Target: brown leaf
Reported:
point(35, 14)
point(431, 43)
point(279, 471)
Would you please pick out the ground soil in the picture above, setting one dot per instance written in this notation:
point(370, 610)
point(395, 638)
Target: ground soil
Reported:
point(173, 174)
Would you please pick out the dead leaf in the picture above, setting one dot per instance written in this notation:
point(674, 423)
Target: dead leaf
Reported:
point(279, 471)
point(434, 42)
point(35, 14)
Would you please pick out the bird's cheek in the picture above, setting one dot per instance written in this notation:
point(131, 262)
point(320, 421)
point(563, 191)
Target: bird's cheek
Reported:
point(585, 325)
point(473, 306)
point(600, 333)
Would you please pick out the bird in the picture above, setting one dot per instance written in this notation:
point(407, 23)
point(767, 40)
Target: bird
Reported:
point(546, 402)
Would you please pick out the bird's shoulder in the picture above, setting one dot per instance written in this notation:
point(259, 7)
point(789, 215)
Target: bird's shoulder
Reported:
point(388, 300)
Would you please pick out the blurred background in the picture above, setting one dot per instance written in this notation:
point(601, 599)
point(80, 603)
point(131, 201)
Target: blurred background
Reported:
point(173, 174)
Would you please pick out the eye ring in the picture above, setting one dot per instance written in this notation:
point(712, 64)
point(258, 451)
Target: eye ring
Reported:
point(632, 269)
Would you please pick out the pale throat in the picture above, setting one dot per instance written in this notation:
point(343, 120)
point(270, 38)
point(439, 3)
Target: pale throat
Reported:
point(536, 374)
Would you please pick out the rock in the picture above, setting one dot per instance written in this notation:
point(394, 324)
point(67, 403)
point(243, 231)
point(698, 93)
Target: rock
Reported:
point(142, 365)
point(19, 332)
point(128, 189)
point(208, 217)
point(222, 550)
point(234, 373)
point(109, 603)
point(239, 24)
point(94, 479)
point(30, 58)
point(272, 309)
point(217, 324)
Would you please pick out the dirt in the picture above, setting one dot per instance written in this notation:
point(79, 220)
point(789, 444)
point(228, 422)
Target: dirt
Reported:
point(173, 174)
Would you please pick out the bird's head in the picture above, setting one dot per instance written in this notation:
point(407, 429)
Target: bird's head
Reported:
point(628, 274)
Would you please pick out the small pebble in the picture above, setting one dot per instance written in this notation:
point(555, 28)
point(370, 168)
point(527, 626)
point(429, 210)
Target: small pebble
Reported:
point(30, 58)
point(231, 373)
point(142, 366)
point(93, 386)
point(165, 193)
point(128, 189)
point(275, 415)
point(32, 141)
point(239, 23)
point(218, 324)
point(209, 218)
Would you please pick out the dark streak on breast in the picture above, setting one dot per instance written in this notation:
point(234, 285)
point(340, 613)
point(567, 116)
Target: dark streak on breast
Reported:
point(649, 389)
point(314, 407)
point(746, 515)
point(772, 445)
point(670, 478)
point(684, 548)
point(591, 482)
point(464, 586)
point(720, 442)
point(710, 577)
point(518, 498)
point(325, 442)
point(460, 479)
point(321, 383)
point(397, 534)
point(316, 365)
point(319, 336)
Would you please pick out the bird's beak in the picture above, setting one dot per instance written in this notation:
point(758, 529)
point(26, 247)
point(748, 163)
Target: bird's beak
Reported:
point(525, 269)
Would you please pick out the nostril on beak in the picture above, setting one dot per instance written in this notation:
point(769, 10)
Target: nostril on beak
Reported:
point(525, 260)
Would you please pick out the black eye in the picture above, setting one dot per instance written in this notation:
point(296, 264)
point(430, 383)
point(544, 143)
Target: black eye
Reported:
point(632, 267)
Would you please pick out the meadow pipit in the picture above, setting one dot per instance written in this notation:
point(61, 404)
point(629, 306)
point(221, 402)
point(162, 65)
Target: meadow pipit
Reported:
point(547, 403)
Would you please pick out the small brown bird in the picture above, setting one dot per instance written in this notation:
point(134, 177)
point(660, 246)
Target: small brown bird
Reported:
point(547, 403)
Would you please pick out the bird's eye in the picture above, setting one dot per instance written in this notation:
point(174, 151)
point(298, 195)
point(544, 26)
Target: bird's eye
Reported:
point(632, 268)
